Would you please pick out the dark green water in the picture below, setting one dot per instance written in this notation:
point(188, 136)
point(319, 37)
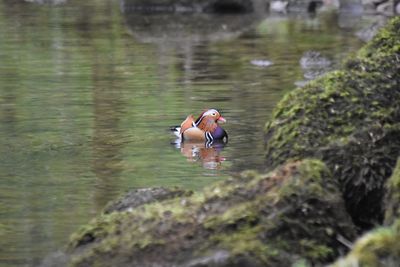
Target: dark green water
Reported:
point(87, 94)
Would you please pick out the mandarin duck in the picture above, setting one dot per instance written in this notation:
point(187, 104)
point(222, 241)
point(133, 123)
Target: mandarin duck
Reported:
point(204, 128)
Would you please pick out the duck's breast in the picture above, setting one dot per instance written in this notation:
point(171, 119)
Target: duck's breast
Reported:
point(194, 133)
point(219, 133)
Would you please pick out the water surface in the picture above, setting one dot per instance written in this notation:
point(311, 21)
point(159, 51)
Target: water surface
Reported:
point(87, 95)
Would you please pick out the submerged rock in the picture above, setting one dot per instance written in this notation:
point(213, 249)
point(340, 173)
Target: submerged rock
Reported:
point(55, 259)
point(314, 64)
point(186, 31)
point(261, 63)
point(351, 120)
point(295, 212)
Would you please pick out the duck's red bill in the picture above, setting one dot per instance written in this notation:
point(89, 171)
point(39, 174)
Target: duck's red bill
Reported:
point(221, 119)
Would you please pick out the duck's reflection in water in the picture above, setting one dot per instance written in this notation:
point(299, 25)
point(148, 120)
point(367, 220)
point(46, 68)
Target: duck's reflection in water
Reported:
point(208, 154)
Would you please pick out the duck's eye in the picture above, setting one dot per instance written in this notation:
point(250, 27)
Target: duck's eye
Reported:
point(213, 114)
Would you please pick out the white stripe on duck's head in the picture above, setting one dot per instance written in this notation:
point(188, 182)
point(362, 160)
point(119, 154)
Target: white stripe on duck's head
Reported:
point(210, 114)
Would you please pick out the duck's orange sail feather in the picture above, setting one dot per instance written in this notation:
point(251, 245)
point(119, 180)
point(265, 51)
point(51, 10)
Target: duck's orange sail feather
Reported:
point(187, 123)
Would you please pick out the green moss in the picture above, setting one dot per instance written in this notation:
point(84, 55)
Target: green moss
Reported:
point(392, 207)
point(246, 242)
point(314, 251)
point(108, 232)
point(301, 263)
point(97, 229)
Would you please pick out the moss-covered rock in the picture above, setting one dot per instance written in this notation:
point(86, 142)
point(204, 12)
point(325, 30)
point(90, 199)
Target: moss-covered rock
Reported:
point(295, 212)
point(392, 200)
point(378, 248)
point(351, 120)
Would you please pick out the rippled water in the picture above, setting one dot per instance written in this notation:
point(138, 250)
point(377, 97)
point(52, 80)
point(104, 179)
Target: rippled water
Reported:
point(88, 93)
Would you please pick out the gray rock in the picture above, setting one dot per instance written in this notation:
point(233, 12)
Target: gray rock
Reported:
point(386, 8)
point(368, 32)
point(313, 65)
point(278, 6)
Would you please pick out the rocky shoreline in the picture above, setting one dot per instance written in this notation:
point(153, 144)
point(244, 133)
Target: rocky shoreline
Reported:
point(385, 7)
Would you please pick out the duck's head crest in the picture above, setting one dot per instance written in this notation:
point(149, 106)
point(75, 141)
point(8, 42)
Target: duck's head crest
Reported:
point(211, 114)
